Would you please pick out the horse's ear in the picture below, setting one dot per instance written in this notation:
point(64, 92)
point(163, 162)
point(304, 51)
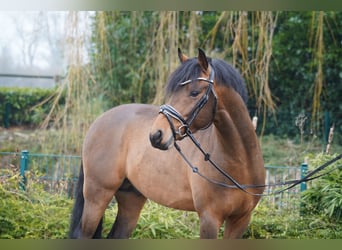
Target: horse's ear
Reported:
point(181, 56)
point(202, 60)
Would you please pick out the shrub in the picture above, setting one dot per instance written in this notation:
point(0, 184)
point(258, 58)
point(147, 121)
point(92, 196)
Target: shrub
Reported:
point(19, 106)
point(273, 223)
point(324, 197)
point(33, 213)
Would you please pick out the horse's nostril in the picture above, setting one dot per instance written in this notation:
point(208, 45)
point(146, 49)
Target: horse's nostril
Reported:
point(158, 134)
point(156, 137)
point(156, 140)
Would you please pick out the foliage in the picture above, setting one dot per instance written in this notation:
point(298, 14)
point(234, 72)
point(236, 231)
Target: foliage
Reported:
point(290, 59)
point(287, 151)
point(20, 106)
point(293, 71)
point(134, 52)
point(121, 44)
point(269, 223)
point(324, 197)
point(38, 214)
point(158, 222)
point(33, 213)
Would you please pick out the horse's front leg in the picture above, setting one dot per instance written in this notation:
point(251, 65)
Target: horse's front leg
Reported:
point(129, 207)
point(236, 225)
point(210, 224)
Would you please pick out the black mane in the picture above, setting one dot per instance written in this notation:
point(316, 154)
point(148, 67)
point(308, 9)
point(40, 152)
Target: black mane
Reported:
point(225, 75)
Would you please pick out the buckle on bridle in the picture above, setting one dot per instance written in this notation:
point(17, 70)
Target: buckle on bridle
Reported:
point(180, 128)
point(169, 112)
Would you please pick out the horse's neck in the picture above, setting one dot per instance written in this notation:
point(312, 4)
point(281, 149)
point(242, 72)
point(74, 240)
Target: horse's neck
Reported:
point(234, 125)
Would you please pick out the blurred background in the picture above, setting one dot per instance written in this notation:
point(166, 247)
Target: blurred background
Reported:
point(61, 69)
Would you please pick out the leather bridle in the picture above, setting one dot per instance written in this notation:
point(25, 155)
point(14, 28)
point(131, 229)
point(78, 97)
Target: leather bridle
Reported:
point(171, 112)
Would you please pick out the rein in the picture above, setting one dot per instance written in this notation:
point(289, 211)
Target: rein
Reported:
point(244, 188)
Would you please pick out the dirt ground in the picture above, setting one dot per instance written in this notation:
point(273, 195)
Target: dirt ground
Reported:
point(15, 139)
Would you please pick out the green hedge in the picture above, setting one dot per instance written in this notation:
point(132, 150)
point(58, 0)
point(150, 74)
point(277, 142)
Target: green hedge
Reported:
point(18, 106)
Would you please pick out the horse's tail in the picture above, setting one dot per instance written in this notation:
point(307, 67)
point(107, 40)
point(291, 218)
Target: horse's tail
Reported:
point(75, 223)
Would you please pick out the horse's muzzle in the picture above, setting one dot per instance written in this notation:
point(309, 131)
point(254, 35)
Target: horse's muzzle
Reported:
point(156, 140)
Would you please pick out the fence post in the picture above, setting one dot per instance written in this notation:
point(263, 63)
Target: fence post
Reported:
point(303, 172)
point(303, 187)
point(23, 168)
point(326, 126)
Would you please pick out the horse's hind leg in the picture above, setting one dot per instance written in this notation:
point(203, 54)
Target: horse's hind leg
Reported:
point(130, 204)
point(96, 201)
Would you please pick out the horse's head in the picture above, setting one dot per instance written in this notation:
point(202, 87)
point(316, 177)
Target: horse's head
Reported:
point(191, 101)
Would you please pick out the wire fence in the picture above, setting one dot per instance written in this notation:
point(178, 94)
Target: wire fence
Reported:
point(290, 199)
point(59, 174)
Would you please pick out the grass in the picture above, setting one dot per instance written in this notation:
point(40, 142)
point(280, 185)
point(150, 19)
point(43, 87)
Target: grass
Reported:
point(158, 222)
point(276, 224)
point(36, 214)
point(288, 152)
point(17, 139)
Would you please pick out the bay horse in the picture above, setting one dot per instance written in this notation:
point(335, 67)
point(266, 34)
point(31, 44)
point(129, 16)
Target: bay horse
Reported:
point(135, 152)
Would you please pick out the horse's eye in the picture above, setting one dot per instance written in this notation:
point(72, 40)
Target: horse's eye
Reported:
point(194, 93)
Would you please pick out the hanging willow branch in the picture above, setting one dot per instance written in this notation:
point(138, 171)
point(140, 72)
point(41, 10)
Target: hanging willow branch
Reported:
point(166, 40)
point(74, 117)
point(317, 32)
point(248, 37)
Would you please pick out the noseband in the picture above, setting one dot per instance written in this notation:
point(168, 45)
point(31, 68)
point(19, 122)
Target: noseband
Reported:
point(170, 111)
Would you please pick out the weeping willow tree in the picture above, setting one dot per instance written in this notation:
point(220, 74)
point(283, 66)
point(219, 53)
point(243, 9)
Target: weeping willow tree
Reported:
point(317, 43)
point(305, 70)
point(163, 32)
point(247, 40)
point(166, 39)
point(72, 118)
point(135, 52)
point(247, 43)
